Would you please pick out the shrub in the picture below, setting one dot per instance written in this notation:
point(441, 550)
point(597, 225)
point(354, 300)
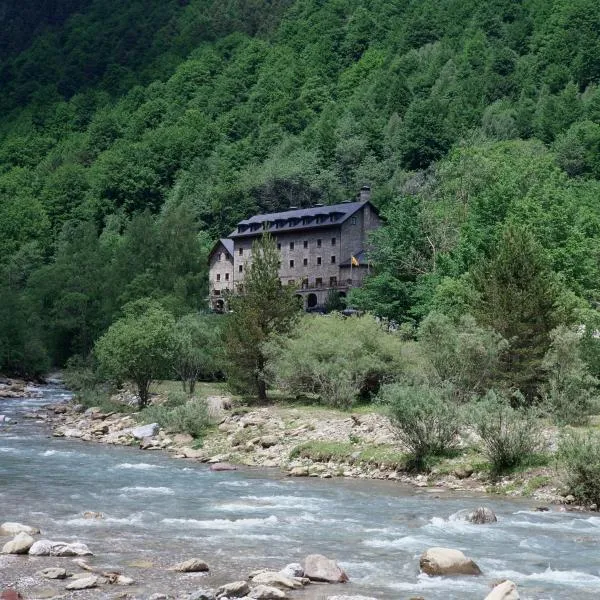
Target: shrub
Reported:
point(340, 359)
point(191, 417)
point(580, 455)
point(428, 420)
point(570, 391)
point(509, 436)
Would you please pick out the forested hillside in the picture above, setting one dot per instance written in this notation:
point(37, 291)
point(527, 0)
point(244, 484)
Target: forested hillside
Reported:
point(134, 134)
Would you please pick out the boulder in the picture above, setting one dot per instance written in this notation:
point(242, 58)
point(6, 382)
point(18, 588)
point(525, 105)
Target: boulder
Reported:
point(268, 441)
point(293, 570)
point(53, 573)
point(20, 544)
point(123, 580)
point(193, 565)
point(481, 516)
point(265, 592)
point(15, 528)
point(144, 431)
point(191, 453)
point(48, 548)
point(320, 568)
point(222, 466)
point(506, 590)
point(298, 472)
point(202, 594)
point(92, 514)
point(275, 579)
point(182, 439)
point(84, 583)
point(446, 561)
point(235, 589)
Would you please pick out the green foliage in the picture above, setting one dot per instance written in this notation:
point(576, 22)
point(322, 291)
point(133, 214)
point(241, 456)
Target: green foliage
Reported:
point(463, 355)
point(197, 349)
point(190, 417)
point(339, 359)
point(427, 420)
point(138, 347)
point(509, 436)
point(580, 457)
point(260, 308)
point(571, 392)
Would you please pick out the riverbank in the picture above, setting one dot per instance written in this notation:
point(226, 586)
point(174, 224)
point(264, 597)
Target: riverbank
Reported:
point(308, 441)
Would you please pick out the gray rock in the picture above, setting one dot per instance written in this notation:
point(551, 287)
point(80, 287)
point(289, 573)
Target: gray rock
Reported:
point(268, 441)
point(158, 597)
point(15, 528)
point(53, 573)
point(275, 579)
point(222, 466)
point(202, 595)
point(446, 561)
point(298, 472)
point(49, 548)
point(320, 568)
point(481, 516)
point(293, 570)
point(123, 580)
point(350, 598)
point(20, 544)
point(265, 592)
point(235, 589)
point(84, 583)
point(41, 548)
point(193, 565)
point(144, 431)
point(506, 590)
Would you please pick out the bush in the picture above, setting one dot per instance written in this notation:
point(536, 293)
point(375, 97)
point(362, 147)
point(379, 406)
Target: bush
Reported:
point(428, 420)
point(191, 417)
point(571, 389)
point(509, 436)
point(580, 455)
point(337, 358)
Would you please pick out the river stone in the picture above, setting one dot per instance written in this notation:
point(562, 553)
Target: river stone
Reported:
point(223, 466)
point(84, 583)
point(293, 570)
point(506, 590)
point(20, 544)
point(265, 592)
point(48, 548)
point(320, 568)
point(16, 528)
point(193, 565)
point(144, 431)
point(268, 441)
point(201, 595)
point(298, 472)
point(446, 561)
point(350, 598)
point(273, 578)
point(123, 580)
point(235, 589)
point(53, 573)
point(481, 516)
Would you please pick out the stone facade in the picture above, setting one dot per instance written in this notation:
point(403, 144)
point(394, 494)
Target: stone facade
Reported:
point(316, 246)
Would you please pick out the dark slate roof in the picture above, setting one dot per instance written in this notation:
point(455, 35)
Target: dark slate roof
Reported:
point(292, 220)
point(225, 242)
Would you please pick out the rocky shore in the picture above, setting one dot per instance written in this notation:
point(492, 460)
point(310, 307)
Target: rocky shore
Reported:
point(302, 442)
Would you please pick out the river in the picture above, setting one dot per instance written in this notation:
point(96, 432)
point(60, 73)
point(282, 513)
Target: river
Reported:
point(160, 511)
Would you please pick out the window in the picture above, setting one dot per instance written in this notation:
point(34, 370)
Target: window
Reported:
point(333, 260)
point(305, 243)
point(291, 282)
point(318, 260)
point(217, 292)
point(220, 256)
point(305, 262)
point(318, 243)
point(241, 268)
point(291, 245)
point(333, 241)
point(305, 283)
point(218, 276)
point(278, 246)
point(318, 282)
point(353, 220)
point(241, 252)
point(291, 264)
point(226, 276)
point(333, 282)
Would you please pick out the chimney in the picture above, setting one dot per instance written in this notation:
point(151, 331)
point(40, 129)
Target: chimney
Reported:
point(365, 193)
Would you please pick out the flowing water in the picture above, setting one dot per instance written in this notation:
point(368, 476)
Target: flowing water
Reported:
point(159, 511)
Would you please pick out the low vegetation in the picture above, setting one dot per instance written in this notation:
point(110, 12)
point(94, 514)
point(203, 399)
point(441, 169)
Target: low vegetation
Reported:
point(179, 415)
point(580, 454)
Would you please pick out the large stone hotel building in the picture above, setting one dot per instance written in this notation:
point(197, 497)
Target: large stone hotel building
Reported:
point(322, 248)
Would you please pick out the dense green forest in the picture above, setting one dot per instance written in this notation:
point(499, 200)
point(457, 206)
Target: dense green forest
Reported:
point(132, 135)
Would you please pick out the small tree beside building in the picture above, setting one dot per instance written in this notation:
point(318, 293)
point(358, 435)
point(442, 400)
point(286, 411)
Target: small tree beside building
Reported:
point(260, 307)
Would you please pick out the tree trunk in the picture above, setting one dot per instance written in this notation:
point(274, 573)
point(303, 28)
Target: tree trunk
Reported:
point(261, 384)
point(143, 392)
